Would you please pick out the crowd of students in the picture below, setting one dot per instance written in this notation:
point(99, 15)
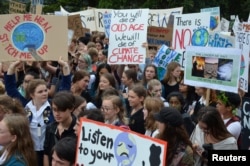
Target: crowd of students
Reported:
point(41, 103)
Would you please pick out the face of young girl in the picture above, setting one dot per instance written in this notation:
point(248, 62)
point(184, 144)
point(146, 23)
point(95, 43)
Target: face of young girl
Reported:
point(104, 83)
point(5, 135)
point(83, 83)
point(41, 94)
point(176, 72)
point(109, 111)
point(175, 103)
point(149, 73)
point(156, 91)
point(134, 99)
point(125, 80)
point(82, 64)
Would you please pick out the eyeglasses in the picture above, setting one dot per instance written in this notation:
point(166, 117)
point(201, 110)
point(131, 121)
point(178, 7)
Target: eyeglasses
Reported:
point(106, 109)
point(26, 81)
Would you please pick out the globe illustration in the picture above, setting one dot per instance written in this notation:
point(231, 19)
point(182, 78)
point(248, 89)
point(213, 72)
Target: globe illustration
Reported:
point(27, 35)
point(200, 37)
point(213, 22)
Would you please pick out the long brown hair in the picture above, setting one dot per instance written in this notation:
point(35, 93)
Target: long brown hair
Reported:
point(215, 125)
point(153, 105)
point(170, 68)
point(174, 135)
point(18, 125)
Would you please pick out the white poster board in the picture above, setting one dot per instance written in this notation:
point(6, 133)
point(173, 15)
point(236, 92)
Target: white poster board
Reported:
point(190, 29)
point(128, 31)
point(109, 145)
point(242, 42)
point(214, 17)
point(214, 68)
point(160, 17)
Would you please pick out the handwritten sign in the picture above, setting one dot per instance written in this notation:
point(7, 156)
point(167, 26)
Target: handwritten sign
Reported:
point(160, 17)
point(242, 42)
point(163, 57)
point(214, 17)
point(101, 144)
point(217, 39)
point(245, 123)
point(106, 22)
point(246, 26)
point(75, 24)
point(190, 29)
point(128, 31)
point(224, 24)
point(215, 68)
point(87, 18)
point(99, 16)
point(33, 37)
point(158, 36)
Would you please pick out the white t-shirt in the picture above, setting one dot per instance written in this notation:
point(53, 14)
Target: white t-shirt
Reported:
point(234, 128)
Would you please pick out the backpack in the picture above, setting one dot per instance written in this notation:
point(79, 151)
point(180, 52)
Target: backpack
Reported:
point(235, 119)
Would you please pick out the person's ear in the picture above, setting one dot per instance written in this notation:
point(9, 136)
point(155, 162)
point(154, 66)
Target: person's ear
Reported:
point(13, 139)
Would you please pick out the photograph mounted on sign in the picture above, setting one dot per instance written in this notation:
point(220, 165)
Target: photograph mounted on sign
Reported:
point(215, 68)
point(109, 145)
point(31, 37)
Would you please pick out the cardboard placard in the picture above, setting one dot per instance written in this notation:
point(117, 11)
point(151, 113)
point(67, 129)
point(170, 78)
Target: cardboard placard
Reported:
point(158, 36)
point(33, 37)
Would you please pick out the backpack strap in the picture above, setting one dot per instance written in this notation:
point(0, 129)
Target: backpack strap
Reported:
point(233, 119)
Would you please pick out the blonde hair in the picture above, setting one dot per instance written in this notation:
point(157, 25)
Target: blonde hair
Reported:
point(2, 88)
point(117, 103)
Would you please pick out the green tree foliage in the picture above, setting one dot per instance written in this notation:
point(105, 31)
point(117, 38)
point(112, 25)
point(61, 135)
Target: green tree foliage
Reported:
point(227, 7)
point(4, 7)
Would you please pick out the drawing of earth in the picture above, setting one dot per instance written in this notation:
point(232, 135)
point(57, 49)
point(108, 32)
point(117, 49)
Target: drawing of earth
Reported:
point(213, 22)
point(200, 37)
point(27, 35)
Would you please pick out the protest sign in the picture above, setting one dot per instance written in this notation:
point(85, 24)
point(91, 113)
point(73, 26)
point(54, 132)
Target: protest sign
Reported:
point(246, 26)
point(214, 17)
point(128, 31)
point(237, 25)
point(158, 36)
point(242, 42)
point(217, 39)
point(163, 57)
point(109, 145)
point(245, 123)
point(106, 23)
point(87, 18)
point(99, 22)
point(215, 68)
point(224, 25)
point(190, 29)
point(33, 37)
point(160, 17)
point(75, 24)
